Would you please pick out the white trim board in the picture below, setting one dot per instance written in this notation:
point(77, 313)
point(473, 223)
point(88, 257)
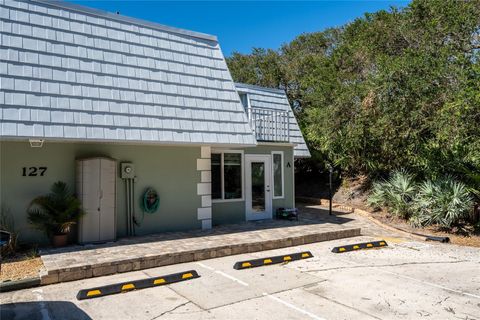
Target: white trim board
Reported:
point(242, 168)
point(282, 164)
point(277, 144)
point(268, 213)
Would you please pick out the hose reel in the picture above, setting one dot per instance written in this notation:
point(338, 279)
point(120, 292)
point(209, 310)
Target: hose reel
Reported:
point(151, 201)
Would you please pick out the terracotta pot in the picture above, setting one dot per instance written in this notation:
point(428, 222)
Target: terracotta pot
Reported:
point(59, 240)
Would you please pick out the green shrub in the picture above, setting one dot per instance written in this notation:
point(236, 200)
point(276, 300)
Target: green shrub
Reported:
point(444, 202)
point(56, 212)
point(396, 193)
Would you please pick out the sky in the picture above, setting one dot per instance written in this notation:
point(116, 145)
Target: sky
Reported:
point(242, 25)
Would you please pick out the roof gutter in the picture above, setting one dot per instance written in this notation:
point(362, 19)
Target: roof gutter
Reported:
point(126, 142)
point(118, 17)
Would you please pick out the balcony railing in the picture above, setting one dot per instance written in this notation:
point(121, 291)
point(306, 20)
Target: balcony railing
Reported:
point(270, 125)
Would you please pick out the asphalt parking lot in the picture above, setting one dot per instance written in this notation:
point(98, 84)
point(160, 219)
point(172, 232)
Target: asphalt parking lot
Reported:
point(406, 280)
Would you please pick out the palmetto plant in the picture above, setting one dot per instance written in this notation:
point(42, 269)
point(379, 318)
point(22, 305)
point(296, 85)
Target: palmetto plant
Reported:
point(396, 193)
point(56, 212)
point(443, 202)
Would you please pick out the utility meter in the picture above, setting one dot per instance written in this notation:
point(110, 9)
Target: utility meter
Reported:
point(127, 170)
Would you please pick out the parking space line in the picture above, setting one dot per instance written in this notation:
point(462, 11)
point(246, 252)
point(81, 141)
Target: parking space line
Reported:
point(223, 274)
point(291, 306)
point(205, 266)
point(231, 278)
point(305, 312)
point(43, 311)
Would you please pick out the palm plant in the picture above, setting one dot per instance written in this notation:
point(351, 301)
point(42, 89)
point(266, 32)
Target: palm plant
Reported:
point(443, 202)
point(56, 212)
point(396, 193)
point(376, 199)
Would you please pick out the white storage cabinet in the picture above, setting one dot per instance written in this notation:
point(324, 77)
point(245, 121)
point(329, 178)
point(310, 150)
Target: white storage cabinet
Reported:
point(96, 189)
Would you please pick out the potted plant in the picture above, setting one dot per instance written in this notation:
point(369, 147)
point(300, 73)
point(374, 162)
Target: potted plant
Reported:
point(55, 213)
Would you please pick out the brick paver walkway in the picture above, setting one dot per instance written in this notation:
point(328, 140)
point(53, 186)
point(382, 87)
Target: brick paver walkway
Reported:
point(127, 254)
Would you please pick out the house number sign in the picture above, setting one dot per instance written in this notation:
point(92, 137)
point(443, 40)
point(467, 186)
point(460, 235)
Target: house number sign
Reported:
point(33, 171)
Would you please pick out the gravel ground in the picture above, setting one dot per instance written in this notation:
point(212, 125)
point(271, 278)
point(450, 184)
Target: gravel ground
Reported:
point(20, 267)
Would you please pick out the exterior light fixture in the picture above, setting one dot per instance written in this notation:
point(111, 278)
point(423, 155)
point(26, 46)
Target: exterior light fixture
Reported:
point(36, 143)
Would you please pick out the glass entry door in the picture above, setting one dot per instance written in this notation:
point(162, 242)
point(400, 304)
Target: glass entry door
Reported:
point(258, 192)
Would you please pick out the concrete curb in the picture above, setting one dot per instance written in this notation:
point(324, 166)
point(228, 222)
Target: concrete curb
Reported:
point(19, 284)
point(145, 262)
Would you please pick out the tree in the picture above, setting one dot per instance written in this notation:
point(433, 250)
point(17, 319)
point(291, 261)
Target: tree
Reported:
point(393, 89)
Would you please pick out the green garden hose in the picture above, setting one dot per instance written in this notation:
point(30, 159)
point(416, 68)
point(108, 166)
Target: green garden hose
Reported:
point(150, 204)
point(151, 201)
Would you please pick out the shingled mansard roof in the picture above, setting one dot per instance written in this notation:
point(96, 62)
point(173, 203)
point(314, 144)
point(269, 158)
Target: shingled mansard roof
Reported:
point(276, 99)
point(72, 73)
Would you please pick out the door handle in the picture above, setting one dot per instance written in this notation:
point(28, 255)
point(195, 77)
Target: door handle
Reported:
point(100, 193)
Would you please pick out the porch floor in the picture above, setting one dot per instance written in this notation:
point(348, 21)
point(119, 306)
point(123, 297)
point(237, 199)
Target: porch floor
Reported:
point(142, 252)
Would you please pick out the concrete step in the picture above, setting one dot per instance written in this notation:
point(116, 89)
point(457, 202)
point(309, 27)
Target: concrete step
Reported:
point(79, 263)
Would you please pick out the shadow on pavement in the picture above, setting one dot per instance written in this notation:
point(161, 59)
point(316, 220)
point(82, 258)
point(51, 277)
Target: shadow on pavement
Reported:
point(39, 310)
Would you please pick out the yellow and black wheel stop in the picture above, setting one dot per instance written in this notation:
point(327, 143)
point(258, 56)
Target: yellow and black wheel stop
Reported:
point(359, 246)
point(136, 284)
point(272, 260)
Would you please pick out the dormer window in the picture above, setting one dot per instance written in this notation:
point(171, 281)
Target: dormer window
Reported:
point(244, 99)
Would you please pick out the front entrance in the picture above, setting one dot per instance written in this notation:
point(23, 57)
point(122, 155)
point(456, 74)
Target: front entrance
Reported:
point(258, 179)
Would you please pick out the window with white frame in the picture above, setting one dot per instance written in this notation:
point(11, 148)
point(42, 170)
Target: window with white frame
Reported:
point(227, 173)
point(278, 175)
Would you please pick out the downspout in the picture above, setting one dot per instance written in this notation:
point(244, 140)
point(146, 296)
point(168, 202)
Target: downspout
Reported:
point(132, 204)
point(127, 197)
point(128, 175)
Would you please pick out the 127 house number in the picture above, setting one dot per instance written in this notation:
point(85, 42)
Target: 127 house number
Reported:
point(34, 171)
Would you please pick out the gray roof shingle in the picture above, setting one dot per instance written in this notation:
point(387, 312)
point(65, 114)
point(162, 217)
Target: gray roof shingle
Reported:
point(70, 72)
point(276, 99)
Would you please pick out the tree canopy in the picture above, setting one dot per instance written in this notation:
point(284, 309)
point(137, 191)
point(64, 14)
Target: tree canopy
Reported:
point(393, 89)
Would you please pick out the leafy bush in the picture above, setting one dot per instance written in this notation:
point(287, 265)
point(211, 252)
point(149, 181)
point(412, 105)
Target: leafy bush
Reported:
point(394, 89)
point(444, 202)
point(396, 193)
point(56, 212)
